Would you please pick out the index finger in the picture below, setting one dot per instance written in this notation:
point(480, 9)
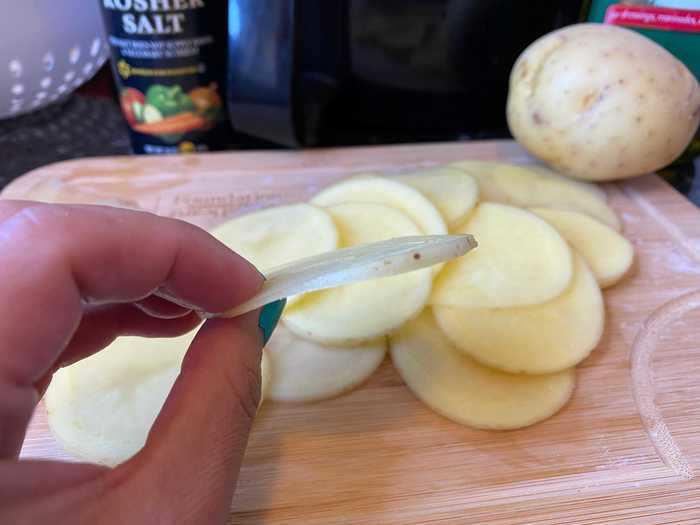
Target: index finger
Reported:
point(56, 257)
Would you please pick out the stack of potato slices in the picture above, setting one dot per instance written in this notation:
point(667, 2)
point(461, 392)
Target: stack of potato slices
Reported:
point(489, 340)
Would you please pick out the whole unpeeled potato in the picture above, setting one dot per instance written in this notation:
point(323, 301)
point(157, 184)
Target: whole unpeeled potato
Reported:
point(600, 102)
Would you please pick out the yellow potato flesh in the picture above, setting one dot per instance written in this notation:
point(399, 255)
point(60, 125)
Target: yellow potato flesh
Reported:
point(534, 187)
point(537, 339)
point(303, 371)
point(265, 376)
point(360, 312)
point(102, 408)
point(371, 189)
point(608, 253)
point(385, 192)
point(457, 387)
point(591, 187)
point(521, 260)
point(280, 235)
point(276, 236)
point(453, 192)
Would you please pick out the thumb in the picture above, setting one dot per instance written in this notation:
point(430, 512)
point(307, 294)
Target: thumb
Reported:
point(190, 463)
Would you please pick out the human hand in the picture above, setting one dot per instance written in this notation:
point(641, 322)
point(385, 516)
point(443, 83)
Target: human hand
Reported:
point(76, 277)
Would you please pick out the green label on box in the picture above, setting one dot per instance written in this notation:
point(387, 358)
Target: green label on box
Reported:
point(674, 24)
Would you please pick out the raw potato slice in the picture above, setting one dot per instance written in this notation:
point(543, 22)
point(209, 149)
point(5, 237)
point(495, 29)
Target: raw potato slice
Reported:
point(608, 253)
point(528, 188)
point(102, 408)
point(537, 339)
point(460, 389)
point(356, 264)
point(590, 187)
point(359, 312)
point(265, 376)
point(277, 236)
point(520, 260)
point(453, 192)
point(377, 190)
point(302, 370)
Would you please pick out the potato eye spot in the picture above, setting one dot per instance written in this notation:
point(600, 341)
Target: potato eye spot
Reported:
point(523, 70)
point(591, 99)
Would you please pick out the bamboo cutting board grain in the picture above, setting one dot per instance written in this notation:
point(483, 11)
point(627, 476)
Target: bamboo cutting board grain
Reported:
point(624, 450)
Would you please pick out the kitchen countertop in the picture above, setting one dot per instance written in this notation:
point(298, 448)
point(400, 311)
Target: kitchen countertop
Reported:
point(81, 126)
point(375, 454)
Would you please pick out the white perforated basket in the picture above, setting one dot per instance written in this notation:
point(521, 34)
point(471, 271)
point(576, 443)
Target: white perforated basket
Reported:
point(48, 48)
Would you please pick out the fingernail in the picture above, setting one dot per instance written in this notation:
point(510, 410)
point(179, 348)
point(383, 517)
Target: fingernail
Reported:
point(269, 316)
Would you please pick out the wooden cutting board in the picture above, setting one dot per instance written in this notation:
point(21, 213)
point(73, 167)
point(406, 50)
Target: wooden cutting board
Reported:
point(624, 450)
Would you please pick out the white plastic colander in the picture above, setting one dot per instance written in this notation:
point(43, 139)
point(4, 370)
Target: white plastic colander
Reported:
point(48, 48)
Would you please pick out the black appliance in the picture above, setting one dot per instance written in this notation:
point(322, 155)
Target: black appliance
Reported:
point(348, 72)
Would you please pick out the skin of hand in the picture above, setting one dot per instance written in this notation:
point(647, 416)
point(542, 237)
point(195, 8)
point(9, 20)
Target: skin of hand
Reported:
point(75, 278)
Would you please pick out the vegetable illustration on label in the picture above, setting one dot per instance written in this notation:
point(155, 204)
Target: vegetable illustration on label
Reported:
point(132, 102)
point(169, 112)
point(169, 100)
point(169, 64)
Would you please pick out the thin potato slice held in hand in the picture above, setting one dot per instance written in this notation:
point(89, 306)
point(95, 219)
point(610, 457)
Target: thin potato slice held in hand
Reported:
point(303, 371)
point(377, 190)
point(356, 264)
point(386, 192)
point(102, 408)
point(521, 260)
point(363, 311)
point(457, 387)
point(277, 236)
point(529, 188)
point(608, 253)
point(453, 192)
point(537, 339)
